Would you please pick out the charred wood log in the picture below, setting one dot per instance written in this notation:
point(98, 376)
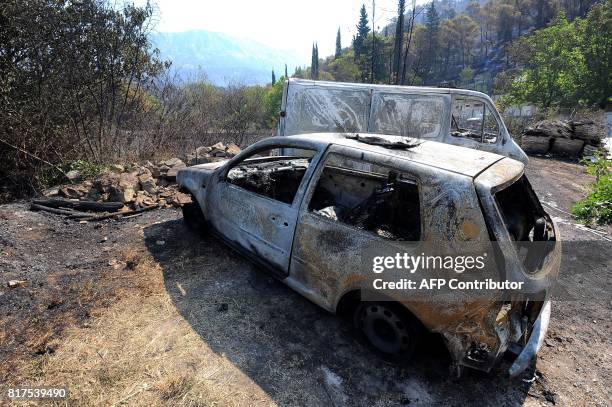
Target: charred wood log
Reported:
point(589, 131)
point(80, 205)
point(535, 145)
point(117, 215)
point(550, 128)
point(568, 147)
point(57, 211)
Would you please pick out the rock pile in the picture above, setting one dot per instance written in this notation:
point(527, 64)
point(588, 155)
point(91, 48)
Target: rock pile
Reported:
point(217, 152)
point(571, 138)
point(135, 188)
point(141, 185)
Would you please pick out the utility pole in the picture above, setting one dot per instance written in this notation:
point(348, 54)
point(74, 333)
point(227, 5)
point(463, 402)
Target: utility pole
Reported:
point(373, 40)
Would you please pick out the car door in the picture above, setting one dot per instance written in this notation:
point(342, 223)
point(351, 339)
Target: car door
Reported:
point(254, 204)
point(333, 241)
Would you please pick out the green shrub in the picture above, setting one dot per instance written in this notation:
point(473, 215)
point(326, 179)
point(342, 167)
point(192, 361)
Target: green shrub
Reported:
point(52, 176)
point(87, 169)
point(597, 206)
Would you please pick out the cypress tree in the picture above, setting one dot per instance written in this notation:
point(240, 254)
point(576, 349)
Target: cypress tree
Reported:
point(313, 63)
point(338, 44)
point(316, 61)
point(286, 74)
point(273, 78)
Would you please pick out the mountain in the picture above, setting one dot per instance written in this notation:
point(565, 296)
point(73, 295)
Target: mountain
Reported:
point(224, 59)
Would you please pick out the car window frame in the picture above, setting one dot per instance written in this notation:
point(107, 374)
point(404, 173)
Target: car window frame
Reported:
point(255, 149)
point(486, 105)
point(373, 158)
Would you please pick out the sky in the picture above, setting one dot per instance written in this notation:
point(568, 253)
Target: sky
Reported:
point(282, 24)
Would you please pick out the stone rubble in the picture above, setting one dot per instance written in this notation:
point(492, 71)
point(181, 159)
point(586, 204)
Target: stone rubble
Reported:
point(141, 185)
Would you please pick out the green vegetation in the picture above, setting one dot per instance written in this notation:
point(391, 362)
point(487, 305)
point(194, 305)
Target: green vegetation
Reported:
point(360, 48)
point(513, 47)
point(314, 65)
point(597, 206)
point(566, 64)
point(82, 87)
point(272, 103)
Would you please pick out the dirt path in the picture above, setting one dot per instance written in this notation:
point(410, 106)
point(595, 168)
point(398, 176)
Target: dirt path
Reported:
point(143, 312)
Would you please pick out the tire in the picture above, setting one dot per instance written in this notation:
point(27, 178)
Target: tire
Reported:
point(387, 329)
point(193, 217)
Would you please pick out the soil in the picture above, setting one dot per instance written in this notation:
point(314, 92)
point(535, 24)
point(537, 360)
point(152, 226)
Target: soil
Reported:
point(142, 311)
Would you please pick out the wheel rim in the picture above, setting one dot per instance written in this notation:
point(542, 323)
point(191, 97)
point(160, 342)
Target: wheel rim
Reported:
point(384, 329)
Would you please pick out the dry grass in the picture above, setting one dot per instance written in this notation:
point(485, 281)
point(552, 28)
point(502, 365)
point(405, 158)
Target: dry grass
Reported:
point(144, 353)
point(174, 388)
point(140, 351)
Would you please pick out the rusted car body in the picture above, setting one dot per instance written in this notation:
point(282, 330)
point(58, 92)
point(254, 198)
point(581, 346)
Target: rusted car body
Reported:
point(307, 207)
point(452, 116)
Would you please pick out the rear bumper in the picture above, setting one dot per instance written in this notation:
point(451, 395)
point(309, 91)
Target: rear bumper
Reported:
point(529, 352)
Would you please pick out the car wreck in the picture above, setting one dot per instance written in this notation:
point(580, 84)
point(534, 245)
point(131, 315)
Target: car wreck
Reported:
point(306, 207)
point(448, 115)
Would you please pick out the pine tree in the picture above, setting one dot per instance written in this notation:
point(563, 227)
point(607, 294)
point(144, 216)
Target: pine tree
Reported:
point(399, 39)
point(338, 44)
point(359, 45)
point(273, 78)
point(362, 33)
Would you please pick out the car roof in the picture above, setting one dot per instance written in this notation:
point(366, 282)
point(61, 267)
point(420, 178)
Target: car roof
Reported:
point(448, 157)
point(389, 88)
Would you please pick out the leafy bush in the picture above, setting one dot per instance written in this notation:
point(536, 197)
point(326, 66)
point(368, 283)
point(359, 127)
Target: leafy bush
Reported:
point(87, 169)
point(51, 176)
point(566, 63)
point(597, 206)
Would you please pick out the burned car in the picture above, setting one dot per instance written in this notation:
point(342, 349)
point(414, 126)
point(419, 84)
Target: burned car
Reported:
point(307, 207)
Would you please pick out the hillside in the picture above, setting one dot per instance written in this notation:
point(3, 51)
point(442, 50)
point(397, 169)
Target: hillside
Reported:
point(224, 58)
point(476, 44)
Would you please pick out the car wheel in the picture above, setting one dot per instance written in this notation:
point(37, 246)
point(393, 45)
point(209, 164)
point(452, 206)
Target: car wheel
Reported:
point(387, 329)
point(193, 217)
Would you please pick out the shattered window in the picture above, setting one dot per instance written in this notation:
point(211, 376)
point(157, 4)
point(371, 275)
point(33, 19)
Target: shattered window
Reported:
point(271, 174)
point(473, 119)
point(369, 197)
point(417, 116)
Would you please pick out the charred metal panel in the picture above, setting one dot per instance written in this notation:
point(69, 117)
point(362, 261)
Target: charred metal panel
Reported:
point(501, 175)
point(261, 226)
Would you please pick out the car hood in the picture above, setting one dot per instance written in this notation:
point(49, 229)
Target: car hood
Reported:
point(193, 178)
